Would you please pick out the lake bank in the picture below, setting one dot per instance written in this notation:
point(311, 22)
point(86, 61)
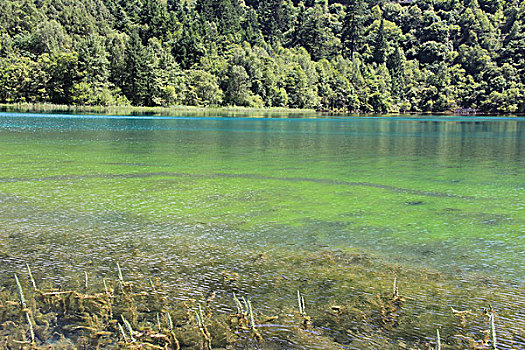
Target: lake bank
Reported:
point(233, 111)
point(158, 111)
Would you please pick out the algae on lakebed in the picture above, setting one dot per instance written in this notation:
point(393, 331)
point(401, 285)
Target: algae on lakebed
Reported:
point(350, 301)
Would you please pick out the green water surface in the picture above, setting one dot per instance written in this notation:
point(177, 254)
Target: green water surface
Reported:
point(265, 206)
point(440, 192)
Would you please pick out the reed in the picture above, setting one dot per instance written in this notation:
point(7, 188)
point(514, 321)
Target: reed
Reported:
point(159, 326)
point(174, 341)
point(128, 326)
point(123, 333)
point(237, 304)
point(250, 311)
point(395, 290)
point(256, 334)
point(33, 283)
point(170, 321)
point(20, 293)
point(31, 330)
point(245, 304)
point(199, 317)
point(438, 340)
point(120, 276)
point(493, 337)
point(23, 306)
point(300, 302)
point(202, 328)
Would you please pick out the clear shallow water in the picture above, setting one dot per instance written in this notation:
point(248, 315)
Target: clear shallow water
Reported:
point(440, 192)
point(79, 192)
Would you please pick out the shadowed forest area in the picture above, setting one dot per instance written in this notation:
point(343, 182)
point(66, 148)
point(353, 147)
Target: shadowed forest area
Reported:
point(348, 56)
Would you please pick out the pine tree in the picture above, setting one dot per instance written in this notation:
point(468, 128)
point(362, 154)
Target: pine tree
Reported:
point(381, 44)
point(353, 27)
point(135, 61)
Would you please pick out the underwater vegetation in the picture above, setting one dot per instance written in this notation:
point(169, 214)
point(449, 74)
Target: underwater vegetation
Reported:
point(130, 233)
point(301, 300)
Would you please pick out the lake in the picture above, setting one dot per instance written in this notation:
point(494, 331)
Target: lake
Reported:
point(222, 204)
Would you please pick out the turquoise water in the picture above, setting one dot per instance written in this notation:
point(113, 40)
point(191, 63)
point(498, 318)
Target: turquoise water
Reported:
point(265, 206)
point(442, 192)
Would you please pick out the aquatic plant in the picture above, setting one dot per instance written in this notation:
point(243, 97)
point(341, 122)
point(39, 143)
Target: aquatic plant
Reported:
point(20, 292)
point(122, 332)
point(237, 304)
point(250, 313)
point(128, 327)
point(120, 276)
point(493, 331)
point(168, 318)
point(300, 302)
point(367, 312)
point(24, 309)
point(33, 283)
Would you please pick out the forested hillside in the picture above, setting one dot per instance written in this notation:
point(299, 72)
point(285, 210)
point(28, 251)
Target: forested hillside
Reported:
point(351, 55)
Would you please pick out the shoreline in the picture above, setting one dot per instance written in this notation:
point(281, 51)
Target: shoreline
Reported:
point(136, 110)
point(233, 110)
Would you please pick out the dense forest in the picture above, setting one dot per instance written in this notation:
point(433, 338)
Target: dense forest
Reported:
point(349, 55)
